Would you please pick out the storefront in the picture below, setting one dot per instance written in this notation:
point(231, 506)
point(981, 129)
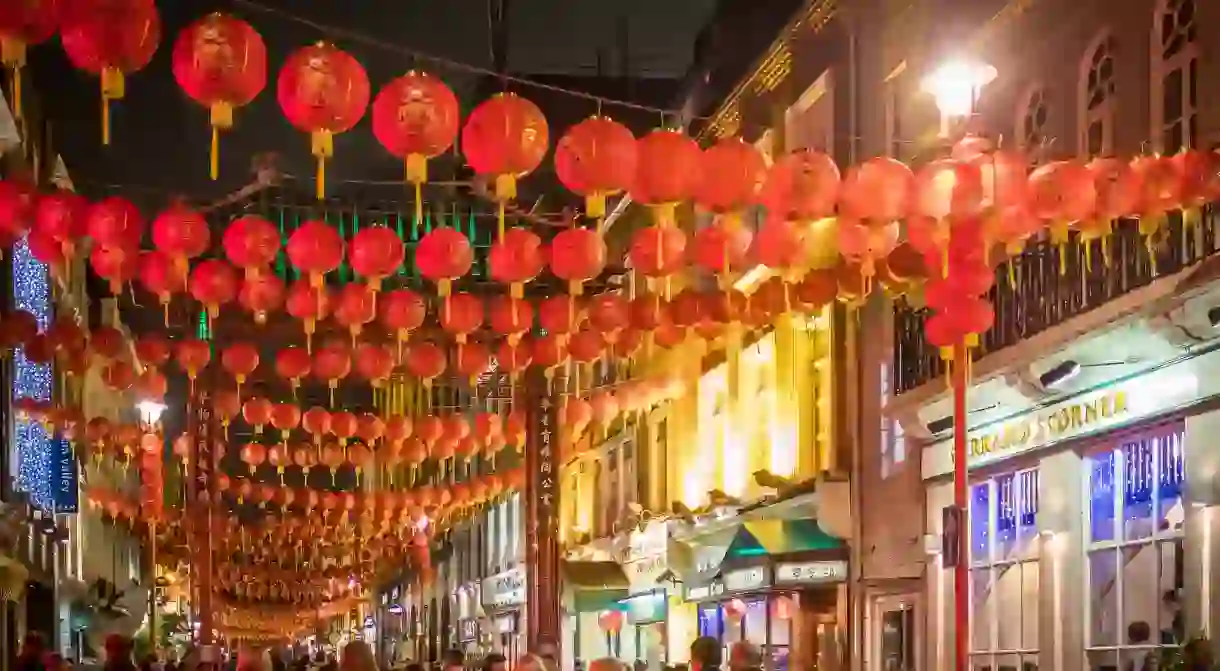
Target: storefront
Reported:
point(503, 597)
point(778, 584)
point(468, 609)
point(644, 636)
point(1090, 525)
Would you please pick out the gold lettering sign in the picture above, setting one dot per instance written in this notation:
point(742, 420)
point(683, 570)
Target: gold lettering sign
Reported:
point(1029, 432)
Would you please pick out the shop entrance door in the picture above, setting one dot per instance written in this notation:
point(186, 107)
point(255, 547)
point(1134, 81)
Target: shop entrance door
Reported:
point(893, 637)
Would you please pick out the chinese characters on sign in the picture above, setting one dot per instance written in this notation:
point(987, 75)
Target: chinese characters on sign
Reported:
point(547, 434)
point(542, 506)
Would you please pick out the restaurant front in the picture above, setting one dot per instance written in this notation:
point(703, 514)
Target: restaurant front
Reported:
point(503, 598)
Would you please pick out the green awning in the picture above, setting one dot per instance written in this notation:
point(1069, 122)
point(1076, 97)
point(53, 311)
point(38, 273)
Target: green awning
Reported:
point(777, 537)
point(597, 600)
point(591, 575)
point(696, 561)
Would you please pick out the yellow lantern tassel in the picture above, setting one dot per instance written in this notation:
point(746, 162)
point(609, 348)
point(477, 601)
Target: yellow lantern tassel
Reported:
point(595, 205)
point(222, 119)
point(113, 87)
point(506, 190)
point(323, 147)
point(12, 55)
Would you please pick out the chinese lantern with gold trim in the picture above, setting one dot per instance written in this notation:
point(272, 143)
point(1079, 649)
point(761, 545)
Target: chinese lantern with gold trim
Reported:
point(505, 138)
point(596, 158)
point(415, 117)
point(24, 23)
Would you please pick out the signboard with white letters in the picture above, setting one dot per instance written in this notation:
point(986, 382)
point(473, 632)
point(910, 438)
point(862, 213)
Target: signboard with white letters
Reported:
point(810, 573)
point(746, 579)
point(504, 590)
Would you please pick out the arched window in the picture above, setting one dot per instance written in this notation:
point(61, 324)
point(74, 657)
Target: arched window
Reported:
point(1097, 99)
point(1175, 75)
point(1033, 124)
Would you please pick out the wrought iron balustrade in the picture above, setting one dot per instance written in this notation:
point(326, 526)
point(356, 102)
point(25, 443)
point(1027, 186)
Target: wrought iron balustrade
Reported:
point(1039, 294)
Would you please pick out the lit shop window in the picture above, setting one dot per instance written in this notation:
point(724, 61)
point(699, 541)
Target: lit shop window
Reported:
point(1004, 549)
point(1134, 562)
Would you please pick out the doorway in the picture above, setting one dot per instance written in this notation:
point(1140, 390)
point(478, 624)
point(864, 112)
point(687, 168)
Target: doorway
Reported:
point(893, 633)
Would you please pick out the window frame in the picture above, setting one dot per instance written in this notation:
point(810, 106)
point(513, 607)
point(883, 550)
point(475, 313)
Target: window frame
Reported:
point(1161, 68)
point(1105, 113)
point(1036, 154)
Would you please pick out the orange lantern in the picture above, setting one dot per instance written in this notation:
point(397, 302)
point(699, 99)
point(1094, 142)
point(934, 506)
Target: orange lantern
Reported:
point(240, 360)
point(375, 254)
point(415, 117)
point(257, 413)
point(261, 294)
point(801, 187)
point(510, 317)
point(402, 311)
point(505, 138)
point(577, 256)
point(425, 361)
point(516, 258)
point(669, 170)
point(308, 304)
point(596, 158)
point(462, 315)
point(878, 190)
point(374, 363)
point(285, 417)
point(442, 256)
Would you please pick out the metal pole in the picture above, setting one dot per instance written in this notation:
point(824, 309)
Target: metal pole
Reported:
point(961, 573)
point(152, 587)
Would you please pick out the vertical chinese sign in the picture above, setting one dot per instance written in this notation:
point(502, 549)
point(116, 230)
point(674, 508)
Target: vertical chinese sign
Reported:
point(542, 506)
point(201, 491)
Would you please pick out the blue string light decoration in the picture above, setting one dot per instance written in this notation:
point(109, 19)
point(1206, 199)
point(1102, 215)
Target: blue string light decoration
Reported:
point(35, 463)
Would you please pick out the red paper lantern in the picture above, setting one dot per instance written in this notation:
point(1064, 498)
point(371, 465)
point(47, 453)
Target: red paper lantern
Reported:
point(443, 255)
point(152, 349)
point(332, 363)
point(596, 158)
point(415, 117)
point(322, 91)
point(610, 621)
point(293, 363)
point(213, 283)
point(780, 244)
point(357, 307)
point(374, 363)
point(429, 430)
point(104, 341)
point(628, 342)
point(577, 414)
point(316, 422)
point(45, 249)
point(114, 222)
point(516, 258)
point(1063, 193)
point(425, 361)
point(548, 351)
point(402, 311)
point(261, 294)
point(151, 385)
point(308, 304)
point(116, 265)
point(608, 312)
point(375, 254)
point(648, 312)
point(510, 316)
point(315, 248)
point(513, 356)
point(733, 171)
point(879, 189)
point(577, 256)
point(181, 234)
point(658, 251)
point(1200, 171)
point(505, 138)
point(257, 413)
point(240, 360)
point(722, 247)
point(668, 171)
point(948, 187)
point(471, 359)
point(221, 63)
point(251, 243)
point(801, 187)
point(285, 417)
point(17, 203)
point(61, 217)
point(586, 346)
point(1162, 184)
point(118, 375)
point(24, 24)
point(110, 38)
point(557, 314)
point(193, 356)
point(462, 315)
point(866, 244)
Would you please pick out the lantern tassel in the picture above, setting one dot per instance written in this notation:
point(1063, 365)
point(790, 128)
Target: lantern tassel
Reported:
point(214, 168)
point(12, 55)
point(112, 89)
point(323, 147)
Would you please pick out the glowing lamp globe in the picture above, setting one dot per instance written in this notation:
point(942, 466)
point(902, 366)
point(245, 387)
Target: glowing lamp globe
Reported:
point(516, 258)
point(375, 254)
point(596, 158)
point(442, 256)
point(732, 173)
point(505, 138)
point(669, 170)
point(415, 117)
point(802, 186)
point(577, 256)
point(251, 243)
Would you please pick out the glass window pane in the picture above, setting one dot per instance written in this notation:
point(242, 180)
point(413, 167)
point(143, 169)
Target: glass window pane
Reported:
point(980, 522)
point(1103, 598)
point(1139, 659)
point(756, 622)
point(1138, 481)
point(732, 627)
point(1008, 663)
point(1008, 606)
point(1101, 497)
point(982, 663)
point(1030, 577)
point(981, 616)
point(1173, 627)
point(1006, 516)
point(1103, 660)
point(1173, 99)
point(1172, 463)
point(1141, 599)
point(1027, 513)
point(781, 628)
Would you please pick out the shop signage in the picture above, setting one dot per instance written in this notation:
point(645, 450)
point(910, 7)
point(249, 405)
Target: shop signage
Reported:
point(504, 590)
point(547, 429)
point(705, 592)
point(645, 608)
point(746, 579)
point(505, 624)
point(395, 593)
point(67, 499)
point(1053, 424)
point(653, 540)
point(811, 572)
point(468, 630)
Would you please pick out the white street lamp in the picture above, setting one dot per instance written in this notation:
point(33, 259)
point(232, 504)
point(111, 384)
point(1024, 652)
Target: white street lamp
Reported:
point(150, 411)
point(955, 86)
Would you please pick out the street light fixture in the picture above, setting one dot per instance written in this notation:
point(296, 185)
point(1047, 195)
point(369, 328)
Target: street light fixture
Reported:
point(150, 411)
point(955, 86)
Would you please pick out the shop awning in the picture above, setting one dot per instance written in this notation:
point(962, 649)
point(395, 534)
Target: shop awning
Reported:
point(696, 561)
point(777, 537)
point(594, 574)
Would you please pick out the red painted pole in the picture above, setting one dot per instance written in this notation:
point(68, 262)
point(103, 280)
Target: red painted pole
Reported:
point(961, 572)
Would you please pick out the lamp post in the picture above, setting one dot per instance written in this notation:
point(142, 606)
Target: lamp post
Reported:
point(955, 86)
point(150, 416)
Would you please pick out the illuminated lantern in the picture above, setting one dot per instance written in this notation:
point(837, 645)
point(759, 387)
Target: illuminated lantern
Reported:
point(880, 189)
point(577, 256)
point(17, 210)
point(1118, 192)
point(658, 251)
point(118, 375)
point(221, 63)
point(315, 248)
point(801, 187)
point(425, 361)
point(596, 158)
point(293, 363)
point(251, 243)
point(253, 455)
point(110, 38)
point(722, 247)
point(462, 315)
point(1162, 184)
point(402, 311)
point(513, 356)
point(375, 254)
point(669, 170)
point(116, 265)
point(114, 222)
point(487, 425)
point(152, 350)
point(628, 342)
point(516, 258)
point(510, 317)
point(586, 346)
point(505, 138)
point(22, 25)
point(604, 407)
point(159, 275)
point(610, 621)
point(322, 91)
point(577, 414)
point(471, 359)
point(193, 356)
point(429, 430)
point(732, 173)
point(557, 314)
point(285, 417)
point(608, 313)
point(970, 316)
point(343, 424)
point(415, 117)
point(374, 363)
point(443, 255)
point(331, 364)
point(398, 428)
point(316, 422)
point(240, 360)
point(261, 294)
point(213, 283)
point(370, 428)
point(648, 312)
point(61, 215)
point(548, 351)
point(257, 412)
point(866, 244)
point(1200, 175)
point(947, 187)
point(780, 244)
point(46, 250)
point(357, 307)
point(309, 304)
point(1062, 192)
point(228, 406)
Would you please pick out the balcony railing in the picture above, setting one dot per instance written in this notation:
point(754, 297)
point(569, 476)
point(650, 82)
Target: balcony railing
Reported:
point(1039, 294)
